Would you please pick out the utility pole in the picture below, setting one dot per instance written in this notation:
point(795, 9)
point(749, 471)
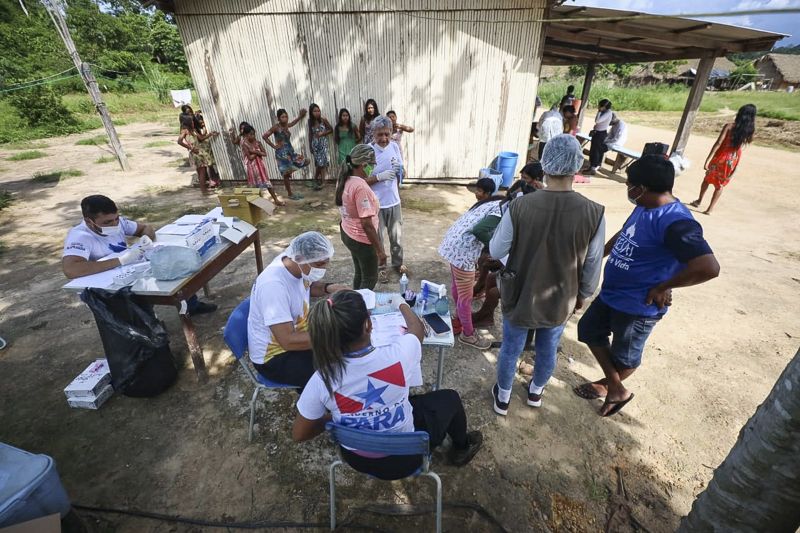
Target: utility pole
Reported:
point(56, 12)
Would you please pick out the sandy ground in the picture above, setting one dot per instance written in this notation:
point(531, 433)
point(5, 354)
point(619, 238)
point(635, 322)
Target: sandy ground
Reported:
point(707, 366)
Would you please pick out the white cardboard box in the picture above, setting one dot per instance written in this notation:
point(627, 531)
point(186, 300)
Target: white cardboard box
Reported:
point(92, 402)
point(90, 382)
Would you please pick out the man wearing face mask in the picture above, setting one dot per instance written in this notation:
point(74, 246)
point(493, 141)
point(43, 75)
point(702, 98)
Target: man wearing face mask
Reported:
point(659, 248)
point(277, 328)
point(102, 233)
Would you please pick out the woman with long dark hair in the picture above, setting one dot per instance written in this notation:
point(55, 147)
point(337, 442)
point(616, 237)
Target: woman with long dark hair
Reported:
point(345, 134)
point(724, 156)
point(366, 126)
point(367, 387)
point(597, 149)
point(288, 160)
point(200, 155)
point(318, 130)
point(359, 208)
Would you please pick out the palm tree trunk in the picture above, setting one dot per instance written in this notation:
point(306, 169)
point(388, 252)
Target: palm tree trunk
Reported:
point(757, 487)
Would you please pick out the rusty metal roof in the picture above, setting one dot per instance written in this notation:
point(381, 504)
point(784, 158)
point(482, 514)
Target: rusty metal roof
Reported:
point(591, 34)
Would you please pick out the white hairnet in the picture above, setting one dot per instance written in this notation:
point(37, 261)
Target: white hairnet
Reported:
point(310, 247)
point(380, 122)
point(562, 156)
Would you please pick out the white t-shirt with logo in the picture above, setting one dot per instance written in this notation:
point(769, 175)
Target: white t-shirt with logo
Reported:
point(83, 242)
point(373, 392)
point(387, 191)
point(277, 297)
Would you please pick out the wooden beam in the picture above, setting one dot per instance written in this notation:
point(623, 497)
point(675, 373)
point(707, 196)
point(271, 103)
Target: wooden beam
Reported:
point(693, 28)
point(623, 44)
point(571, 12)
point(587, 87)
point(592, 50)
point(692, 104)
point(654, 34)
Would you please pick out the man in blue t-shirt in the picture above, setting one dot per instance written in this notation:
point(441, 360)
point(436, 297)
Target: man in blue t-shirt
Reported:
point(659, 248)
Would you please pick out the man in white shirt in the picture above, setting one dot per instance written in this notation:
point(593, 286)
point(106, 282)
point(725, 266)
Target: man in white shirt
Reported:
point(384, 182)
point(618, 133)
point(551, 123)
point(103, 233)
point(277, 328)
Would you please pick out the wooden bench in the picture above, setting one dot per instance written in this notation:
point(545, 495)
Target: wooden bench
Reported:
point(624, 156)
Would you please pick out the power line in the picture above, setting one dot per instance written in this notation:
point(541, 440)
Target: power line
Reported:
point(20, 84)
point(45, 82)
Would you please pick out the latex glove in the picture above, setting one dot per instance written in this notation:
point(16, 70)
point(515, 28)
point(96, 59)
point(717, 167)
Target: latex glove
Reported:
point(395, 301)
point(130, 256)
point(397, 167)
point(386, 175)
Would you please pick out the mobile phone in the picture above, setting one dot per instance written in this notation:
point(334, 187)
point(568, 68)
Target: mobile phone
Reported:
point(436, 323)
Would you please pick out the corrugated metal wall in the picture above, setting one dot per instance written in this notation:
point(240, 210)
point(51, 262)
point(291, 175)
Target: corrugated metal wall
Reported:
point(465, 82)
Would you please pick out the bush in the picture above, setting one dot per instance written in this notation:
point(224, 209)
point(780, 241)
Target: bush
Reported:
point(40, 106)
point(159, 84)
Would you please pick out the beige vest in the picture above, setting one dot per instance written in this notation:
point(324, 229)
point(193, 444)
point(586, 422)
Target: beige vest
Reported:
point(552, 231)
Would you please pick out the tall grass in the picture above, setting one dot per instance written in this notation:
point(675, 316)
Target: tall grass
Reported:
point(673, 98)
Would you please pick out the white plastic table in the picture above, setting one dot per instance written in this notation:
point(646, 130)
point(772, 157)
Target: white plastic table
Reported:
point(441, 342)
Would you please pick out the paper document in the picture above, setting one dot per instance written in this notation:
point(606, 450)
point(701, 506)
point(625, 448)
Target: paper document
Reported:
point(191, 220)
point(382, 305)
point(233, 235)
point(386, 328)
point(369, 297)
point(175, 229)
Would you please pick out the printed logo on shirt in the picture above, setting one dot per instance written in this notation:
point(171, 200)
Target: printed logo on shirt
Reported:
point(624, 248)
point(371, 410)
point(118, 247)
point(78, 246)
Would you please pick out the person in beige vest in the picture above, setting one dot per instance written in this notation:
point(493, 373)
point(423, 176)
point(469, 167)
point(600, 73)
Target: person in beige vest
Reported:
point(554, 241)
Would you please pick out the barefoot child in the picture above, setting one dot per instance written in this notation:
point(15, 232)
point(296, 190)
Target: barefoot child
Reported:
point(253, 154)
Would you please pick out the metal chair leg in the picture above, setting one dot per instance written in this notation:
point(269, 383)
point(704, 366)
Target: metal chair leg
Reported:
point(438, 481)
point(253, 413)
point(332, 481)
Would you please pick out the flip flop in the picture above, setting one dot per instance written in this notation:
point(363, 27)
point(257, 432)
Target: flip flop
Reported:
point(618, 405)
point(587, 392)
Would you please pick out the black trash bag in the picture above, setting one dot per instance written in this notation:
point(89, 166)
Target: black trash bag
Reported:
point(135, 342)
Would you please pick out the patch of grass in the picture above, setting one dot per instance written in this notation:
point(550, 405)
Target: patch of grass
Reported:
point(3, 248)
point(138, 211)
point(97, 140)
point(24, 145)
point(156, 144)
point(771, 104)
point(5, 199)
point(426, 206)
point(29, 154)
point(182, 162)
point(55, 176)
point(105, 159)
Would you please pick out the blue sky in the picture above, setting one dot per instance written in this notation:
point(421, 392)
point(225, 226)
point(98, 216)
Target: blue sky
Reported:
point(780, 23)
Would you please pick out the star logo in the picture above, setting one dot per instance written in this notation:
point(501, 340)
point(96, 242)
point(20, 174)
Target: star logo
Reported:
point(372, 395)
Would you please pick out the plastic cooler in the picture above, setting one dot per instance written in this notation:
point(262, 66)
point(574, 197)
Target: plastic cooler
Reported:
point(507, 164)
point(29, 487)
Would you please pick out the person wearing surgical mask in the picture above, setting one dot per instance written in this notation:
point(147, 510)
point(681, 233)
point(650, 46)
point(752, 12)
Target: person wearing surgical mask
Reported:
point(102, 233)
point(277, 328)
point(99, 243)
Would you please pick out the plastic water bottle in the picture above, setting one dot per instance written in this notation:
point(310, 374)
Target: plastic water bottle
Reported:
point(403, 284)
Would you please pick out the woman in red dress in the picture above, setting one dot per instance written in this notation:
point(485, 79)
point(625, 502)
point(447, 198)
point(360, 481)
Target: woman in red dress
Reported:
point(724, 155)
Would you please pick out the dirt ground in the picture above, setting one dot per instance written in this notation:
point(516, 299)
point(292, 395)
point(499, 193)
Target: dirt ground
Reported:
point(707, 366)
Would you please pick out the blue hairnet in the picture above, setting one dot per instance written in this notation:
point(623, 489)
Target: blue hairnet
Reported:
point(562, 156)
point(310, 247)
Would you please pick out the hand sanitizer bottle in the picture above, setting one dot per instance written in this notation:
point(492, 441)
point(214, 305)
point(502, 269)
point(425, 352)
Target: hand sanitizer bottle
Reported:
point(403, 284)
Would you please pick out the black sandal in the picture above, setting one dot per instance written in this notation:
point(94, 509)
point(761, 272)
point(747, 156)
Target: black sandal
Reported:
point(618, 405)
point(587, 392)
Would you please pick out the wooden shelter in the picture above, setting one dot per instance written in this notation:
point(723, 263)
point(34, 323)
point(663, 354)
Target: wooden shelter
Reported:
point(465, 74)
point(592, 36)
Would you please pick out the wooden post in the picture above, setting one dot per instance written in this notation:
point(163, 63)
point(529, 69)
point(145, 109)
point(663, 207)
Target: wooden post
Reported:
point(692, 104)
point(587, 86)
point(54, 9)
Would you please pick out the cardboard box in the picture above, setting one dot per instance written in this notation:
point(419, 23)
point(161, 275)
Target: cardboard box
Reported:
point(200, 237)
point(92, 402)
point(91, 381)
point(246, 204)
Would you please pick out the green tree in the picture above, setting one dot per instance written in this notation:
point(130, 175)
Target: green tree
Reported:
point(166, 43)
point(667, 67)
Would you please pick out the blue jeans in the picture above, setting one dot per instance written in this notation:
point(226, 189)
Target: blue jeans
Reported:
point(546, 344)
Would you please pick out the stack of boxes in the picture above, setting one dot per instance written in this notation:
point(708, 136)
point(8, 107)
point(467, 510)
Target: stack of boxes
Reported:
point(91, 388)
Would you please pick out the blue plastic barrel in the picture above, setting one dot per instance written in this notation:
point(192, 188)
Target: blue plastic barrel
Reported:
point(507, 164)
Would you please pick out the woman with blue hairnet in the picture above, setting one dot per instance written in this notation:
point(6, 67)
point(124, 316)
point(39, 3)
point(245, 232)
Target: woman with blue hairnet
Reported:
point(277, 332)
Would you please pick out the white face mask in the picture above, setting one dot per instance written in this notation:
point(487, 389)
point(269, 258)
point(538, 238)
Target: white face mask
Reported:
point(315, 274)
point(108, 231)
point(634, 200)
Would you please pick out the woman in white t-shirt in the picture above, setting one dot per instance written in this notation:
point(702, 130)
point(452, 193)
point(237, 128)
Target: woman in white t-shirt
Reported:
point(367, 387)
